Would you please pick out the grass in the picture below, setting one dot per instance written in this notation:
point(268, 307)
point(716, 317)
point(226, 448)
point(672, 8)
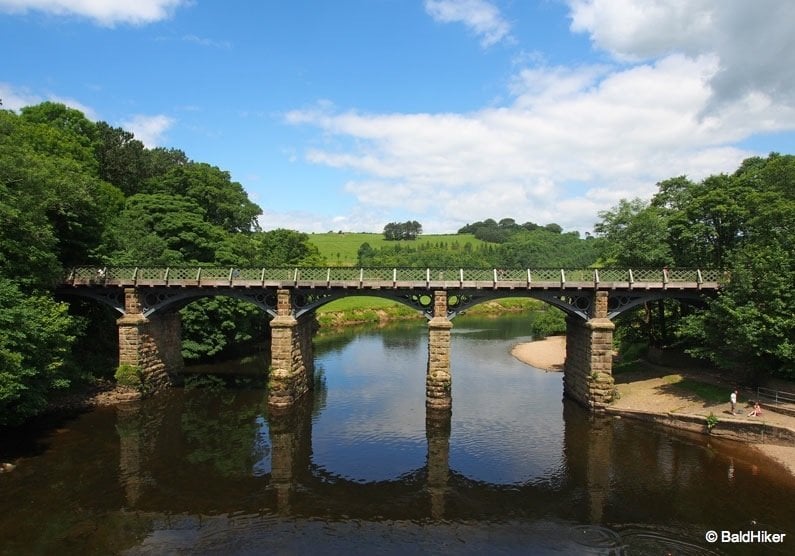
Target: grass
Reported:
point(357, 302)
point(363, 309)
point(359, 309)
point(341, 249)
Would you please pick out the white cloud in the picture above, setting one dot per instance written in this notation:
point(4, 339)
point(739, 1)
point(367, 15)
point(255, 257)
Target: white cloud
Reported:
point(15, 98)
point(690, 82)
point(103, 12)
point(480, 16)
point(148, 129)
point(570, 143)
point(360, 219)
point(753, 41)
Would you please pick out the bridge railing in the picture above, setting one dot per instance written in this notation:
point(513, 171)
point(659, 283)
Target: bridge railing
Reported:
point(382, 277)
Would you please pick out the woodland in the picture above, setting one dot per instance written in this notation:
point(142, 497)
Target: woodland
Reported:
point(76, 192)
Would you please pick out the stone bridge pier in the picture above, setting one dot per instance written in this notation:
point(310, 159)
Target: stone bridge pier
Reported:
point(438, 381)
point(588, 371)
point(291, 373)
point(151, 347)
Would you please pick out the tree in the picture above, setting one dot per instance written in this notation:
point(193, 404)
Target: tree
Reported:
point(636, 234)
point(162, 229)
point(751, 326)
point(34, 351)
point(225, 202)
point(49, 191)
point(122, 158)
point(410, 230)
point(743, 223)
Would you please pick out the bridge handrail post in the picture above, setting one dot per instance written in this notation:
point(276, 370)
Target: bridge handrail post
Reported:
point(529, 278)
point(262, 277)
point(562, 278)
point(135, 276)
point(460, 277)
point(231, 274)
point(394, 278)
point(631, 278)
point(361, 278)
point(199, 277)
point(596, 277)
point(427, 277)
point(699, 278)
point(165, 275)
point(665, 277)
point(328, 277)
point(295, 277)
point(495, 278)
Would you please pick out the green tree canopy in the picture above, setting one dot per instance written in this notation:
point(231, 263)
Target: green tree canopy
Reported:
point(160, 229)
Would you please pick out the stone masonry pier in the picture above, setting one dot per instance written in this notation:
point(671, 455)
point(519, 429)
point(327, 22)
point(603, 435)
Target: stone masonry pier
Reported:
point(588, 371)
point(439, 379)
point(151, 347)
point(291, 373)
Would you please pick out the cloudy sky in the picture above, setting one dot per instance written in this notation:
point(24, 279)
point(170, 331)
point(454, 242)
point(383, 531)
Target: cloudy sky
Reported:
point(348, 114)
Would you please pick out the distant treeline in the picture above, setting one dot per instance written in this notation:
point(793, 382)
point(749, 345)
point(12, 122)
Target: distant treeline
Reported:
point(500, 232)
point(517, 248)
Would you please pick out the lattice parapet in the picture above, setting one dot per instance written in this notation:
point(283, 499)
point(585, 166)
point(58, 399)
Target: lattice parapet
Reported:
point(613, 275)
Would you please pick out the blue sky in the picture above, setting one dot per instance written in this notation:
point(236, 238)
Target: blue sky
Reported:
point(348, 114)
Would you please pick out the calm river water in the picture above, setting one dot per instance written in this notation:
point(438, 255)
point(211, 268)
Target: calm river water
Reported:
point(361, 469)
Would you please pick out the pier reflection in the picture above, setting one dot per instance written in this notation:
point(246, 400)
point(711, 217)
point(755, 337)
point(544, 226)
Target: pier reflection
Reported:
point(244, 459)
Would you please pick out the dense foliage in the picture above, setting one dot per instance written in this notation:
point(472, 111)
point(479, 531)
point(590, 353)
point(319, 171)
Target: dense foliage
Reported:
point(743, 223)
point(77, 192)
point(499, 232)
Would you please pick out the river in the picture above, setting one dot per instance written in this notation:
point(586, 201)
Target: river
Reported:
point(359, 468)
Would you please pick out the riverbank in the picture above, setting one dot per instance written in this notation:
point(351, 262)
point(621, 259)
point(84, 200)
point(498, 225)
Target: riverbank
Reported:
point(657, 394)
point(100, 394)
point(547, 354)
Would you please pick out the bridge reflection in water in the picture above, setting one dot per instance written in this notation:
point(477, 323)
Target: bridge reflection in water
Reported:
point(148, 300)
point(246, 472)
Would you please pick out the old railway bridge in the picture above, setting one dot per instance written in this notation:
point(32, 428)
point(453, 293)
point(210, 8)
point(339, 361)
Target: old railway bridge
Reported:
point(148, 300)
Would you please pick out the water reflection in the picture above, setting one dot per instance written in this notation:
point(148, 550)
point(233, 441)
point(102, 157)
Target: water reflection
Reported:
point(360, 463)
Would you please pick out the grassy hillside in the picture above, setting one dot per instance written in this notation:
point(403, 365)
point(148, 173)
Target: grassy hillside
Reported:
point(341, 249)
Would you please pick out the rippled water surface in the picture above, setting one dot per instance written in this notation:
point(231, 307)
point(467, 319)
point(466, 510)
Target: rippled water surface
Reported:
point(361, 468)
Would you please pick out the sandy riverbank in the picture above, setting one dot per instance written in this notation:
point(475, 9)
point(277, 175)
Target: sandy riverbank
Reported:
point(647, 391)
point(547, 354)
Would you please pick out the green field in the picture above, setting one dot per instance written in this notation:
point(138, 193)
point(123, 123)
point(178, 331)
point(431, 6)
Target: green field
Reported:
point(341, 249)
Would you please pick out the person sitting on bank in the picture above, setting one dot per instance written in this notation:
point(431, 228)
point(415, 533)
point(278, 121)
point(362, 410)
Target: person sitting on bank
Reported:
point(756, 411)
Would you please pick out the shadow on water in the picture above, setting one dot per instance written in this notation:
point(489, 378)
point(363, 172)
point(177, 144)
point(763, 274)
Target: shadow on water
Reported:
point(360, 465)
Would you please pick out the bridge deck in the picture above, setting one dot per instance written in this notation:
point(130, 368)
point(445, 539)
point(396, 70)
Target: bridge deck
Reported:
point(411, 279)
